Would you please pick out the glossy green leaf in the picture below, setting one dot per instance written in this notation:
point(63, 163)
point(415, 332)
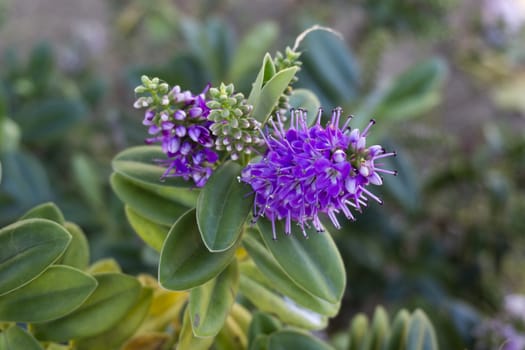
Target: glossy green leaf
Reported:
point(140, 164)
point(265, 73)
point(125, 328)
point(47, 211)
point(307, 100)
point(358, 332)
point(146, 204)
point(211, 302)
point(379, 330)
point(55, 293)
point(271, 92)
point(261, 342)
point(185, 262)
point(77, 253)
point(314, 263)
point(399, 331)
point(222, 208)
point(151, 233)
point(291, 339)
point(187, 340)
point(28, 248)
point(273, 275)
point(268, 301)
point(262, 324)
point(252, 47)
point(421, 333)
point(15, 338)
point(114, 297)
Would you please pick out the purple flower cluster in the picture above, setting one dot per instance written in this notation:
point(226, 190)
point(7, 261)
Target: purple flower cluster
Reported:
point(311, 170)
point(178, 121)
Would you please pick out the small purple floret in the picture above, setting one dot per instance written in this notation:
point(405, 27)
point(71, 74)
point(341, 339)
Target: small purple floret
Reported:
point(307, 171)
point(182, 129)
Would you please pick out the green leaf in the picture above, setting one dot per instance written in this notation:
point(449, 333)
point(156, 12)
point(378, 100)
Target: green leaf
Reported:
point(231, 336)
point(116, 336)
point(251, 48)
point(86, 177)
point(153, 207)
point(104, 266)
point(314, 263)
point(187, 340)
point(271, 92)
point(307, 100)
point(185, 262)
point(412, 93)
point(14, 338)
point(330, 67)
point(139, 165)
point(421, 334)
point(222, 208)
point(274, 276)
point(114, 297)
point(9, 135)
point(48, 119)
point(211, 302)
point(358, 332)
point(291, 339)
point(379, 330)
point(267, 300)
point(24, 178)
point(262, 324)
point(47, 211)
point(77, 253)
point(265, 73)
point(151, 233)
point(398, 334)
point(28, 248)
point(55, 293)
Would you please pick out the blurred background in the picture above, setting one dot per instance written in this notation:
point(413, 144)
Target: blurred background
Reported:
point(445, 79)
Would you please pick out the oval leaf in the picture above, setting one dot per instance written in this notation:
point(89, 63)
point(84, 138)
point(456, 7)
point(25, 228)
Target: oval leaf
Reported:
point(185, 262)
point(47, 211)
point(28, 247)
point(77, 253)
point(314, 263)
point(274, 276)
point(141, 165)
point(290, 339)
point(187, 340)
point(15, 338)
point(262, 324)
point(268, 301)
point(271, 92)
point(377, 335)
point(116, 336)
point(222, 208)
point(151, 233)
point(210, 303)
point(114, 297)
point(421, 334)
point(147, 204)
point(358, 332)
point(55, 293)
point(398, 334)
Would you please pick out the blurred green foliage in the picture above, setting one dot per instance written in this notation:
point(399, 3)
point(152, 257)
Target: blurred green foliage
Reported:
point(447, 239)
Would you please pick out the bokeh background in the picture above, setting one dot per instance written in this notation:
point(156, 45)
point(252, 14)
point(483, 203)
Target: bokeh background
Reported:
point(445, 79)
